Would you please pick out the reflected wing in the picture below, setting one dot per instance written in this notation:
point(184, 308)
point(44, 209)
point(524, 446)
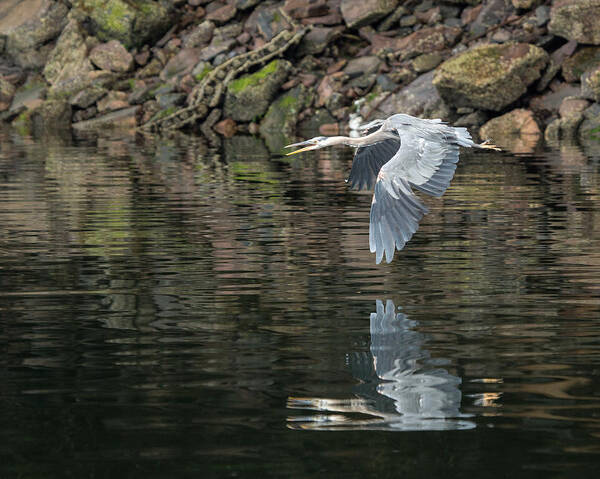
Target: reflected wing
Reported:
point(368, 161)
point(395, 216)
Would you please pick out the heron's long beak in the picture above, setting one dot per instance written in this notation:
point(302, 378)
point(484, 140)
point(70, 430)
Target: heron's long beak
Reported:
point(311, 146)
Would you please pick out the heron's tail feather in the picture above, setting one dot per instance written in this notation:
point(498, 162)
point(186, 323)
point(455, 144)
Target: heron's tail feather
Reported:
point(395, 216)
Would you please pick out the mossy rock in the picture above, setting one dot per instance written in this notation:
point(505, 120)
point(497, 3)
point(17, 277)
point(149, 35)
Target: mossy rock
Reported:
point(590, 84)
point(279, 123)
point(576, 20)
point(132, 22)
point(489, 77)
point(249, 96)
point(283, 113)
point(578, 64)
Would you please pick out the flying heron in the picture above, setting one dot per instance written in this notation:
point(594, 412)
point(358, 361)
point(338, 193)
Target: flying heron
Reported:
point(397, 154)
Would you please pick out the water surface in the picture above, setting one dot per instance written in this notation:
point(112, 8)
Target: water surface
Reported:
point(168, 310)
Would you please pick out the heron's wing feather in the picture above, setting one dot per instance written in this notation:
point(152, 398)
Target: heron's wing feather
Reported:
point(368, 161)
point(395, 216)
point(445, 161)
point(429, 152)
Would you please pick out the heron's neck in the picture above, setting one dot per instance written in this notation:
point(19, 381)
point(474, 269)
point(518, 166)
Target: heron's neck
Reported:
point(370, 139)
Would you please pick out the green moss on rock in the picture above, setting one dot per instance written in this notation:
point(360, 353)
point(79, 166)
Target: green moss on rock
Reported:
point(132, 22)
point(253, 79)
point(491, 76)
point(248, 97)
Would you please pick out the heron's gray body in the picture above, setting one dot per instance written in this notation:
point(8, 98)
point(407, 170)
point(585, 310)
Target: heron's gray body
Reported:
point(426, 160)
point(399, 153)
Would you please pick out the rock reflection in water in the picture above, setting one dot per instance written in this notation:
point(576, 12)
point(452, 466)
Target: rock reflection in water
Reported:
point(398, 390)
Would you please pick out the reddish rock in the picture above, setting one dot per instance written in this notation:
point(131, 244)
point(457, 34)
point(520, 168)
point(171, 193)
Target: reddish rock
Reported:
point(307, 79)
point(114, 100)
point(516, 131)
point(142, 58)
point(325, 89)
point(111, 56)
point(572, 106)
point(288, 85)
point(470, 14)
point(332, 19)
point(243, 38)
point(337, 66)
point(430, 17)
point(222, 14)
point(226, 127)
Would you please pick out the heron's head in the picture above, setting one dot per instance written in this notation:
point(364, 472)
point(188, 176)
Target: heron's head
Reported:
point(312, 144)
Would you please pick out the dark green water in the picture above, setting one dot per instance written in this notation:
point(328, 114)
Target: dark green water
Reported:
point(170, 311)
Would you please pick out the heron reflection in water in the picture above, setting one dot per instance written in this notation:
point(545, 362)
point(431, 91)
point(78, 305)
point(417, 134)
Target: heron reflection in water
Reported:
point(397, 154)
point(398, 390)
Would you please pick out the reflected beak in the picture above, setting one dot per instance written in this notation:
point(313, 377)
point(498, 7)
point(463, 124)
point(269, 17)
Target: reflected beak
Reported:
point(311, 146)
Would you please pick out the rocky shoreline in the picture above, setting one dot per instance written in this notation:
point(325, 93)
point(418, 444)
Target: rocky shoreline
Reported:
point(512, 70)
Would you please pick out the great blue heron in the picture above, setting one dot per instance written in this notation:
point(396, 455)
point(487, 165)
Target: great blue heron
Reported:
point(397, 153)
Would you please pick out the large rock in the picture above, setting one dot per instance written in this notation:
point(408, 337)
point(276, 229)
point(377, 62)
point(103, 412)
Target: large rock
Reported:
point(575, 66)
point(68, 63)
point(358, 13)
point(7, 92)
point(419, 98)
point(125, 118)
point(282, 114)
point(516, 131)
point(576, 20)
point(565, 128)
point(249, 96)
point(489, 77)
point(132, 22)
point(27, 25)
point(279, 123)
point(589, 130)
point(590, 84)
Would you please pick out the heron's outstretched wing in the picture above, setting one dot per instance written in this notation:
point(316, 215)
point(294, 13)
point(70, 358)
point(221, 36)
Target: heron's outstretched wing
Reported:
point(368, 160)
point(429, 151)
point(395, 216)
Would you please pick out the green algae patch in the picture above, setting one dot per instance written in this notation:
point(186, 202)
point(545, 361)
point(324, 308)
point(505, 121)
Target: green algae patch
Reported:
point(254, 79)
point(200, 76)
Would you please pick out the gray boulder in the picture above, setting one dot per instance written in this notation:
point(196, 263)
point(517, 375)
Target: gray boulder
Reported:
point(419, 98)
point(249, 96)
point(132, 22)
point(68, 64)
point(590, 84)
point(27, 25)
point(491, 76)
point(576, 20)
